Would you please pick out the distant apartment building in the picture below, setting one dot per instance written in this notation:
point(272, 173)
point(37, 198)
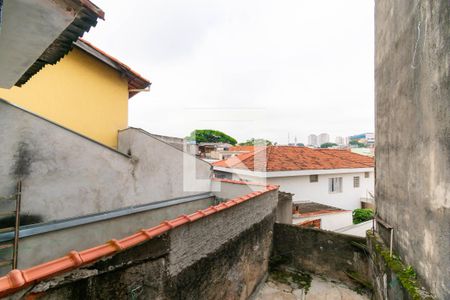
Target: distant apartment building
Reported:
point(340, 140)
point(364, 138)
point(364, 151)
point(337, 178)
point(323, 138)
point(312, 140)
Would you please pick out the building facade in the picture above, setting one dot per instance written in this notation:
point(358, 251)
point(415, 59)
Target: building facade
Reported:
point(340, 140)
point(331, 177)
point(312, 140)
point(73, 93)
point(323, 138)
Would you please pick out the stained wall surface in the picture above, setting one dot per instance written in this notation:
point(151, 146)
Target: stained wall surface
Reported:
point(412, 86)
point(221, 256)
point(66, 175)
point(80, 93)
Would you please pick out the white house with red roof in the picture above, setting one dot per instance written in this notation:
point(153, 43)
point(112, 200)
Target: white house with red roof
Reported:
point(338, 178)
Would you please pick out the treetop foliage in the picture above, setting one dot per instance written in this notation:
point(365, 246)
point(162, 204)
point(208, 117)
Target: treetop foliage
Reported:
point(210, 136)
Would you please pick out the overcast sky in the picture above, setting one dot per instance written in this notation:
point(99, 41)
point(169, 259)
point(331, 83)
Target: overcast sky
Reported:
point(249, 68)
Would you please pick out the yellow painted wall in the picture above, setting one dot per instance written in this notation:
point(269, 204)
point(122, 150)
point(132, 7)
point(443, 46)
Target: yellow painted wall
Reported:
point(80, 93)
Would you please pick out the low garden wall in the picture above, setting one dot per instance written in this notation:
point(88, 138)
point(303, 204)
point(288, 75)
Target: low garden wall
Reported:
point(336, 256)
point(221, 252)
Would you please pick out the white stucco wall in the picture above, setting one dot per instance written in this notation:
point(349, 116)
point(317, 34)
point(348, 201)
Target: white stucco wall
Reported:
point(304, 190)
point(330, 221)
point(357, 229)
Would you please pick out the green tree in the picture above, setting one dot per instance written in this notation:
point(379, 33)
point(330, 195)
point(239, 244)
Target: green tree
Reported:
point(257, 142)
point(357, 144)
point(328, 145)
point(210, 136)
point(362, 214)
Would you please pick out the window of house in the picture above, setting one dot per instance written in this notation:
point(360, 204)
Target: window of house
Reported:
point(366, 174)
point(223, 175)
point(313, 178)
point(335, 185)
point(356, 181)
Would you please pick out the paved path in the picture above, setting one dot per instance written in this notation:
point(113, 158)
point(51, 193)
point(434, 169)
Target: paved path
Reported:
point(319, 290)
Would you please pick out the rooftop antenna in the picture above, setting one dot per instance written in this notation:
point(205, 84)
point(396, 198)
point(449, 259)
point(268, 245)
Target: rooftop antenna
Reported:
point(289, 139)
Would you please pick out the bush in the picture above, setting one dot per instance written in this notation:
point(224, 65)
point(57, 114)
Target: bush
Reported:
point(362, 214)
point(210, 136)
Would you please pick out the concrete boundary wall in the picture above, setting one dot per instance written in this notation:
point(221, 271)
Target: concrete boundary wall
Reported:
point(230, 242)
point(66, 175)
point(336, 256)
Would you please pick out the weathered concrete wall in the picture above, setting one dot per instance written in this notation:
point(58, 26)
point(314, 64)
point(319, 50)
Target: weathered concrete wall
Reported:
point(227, 190)
point(162, 170)
point(337, 256)
point(90, 235)
point(222, 256)
point(390, 278)
point(67, 175)
point(284, 209)
point(412, 67)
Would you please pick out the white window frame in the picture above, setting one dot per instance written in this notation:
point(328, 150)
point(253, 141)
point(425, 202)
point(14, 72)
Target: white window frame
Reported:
point(356, 182)
point(335, 185)
point(313, 176)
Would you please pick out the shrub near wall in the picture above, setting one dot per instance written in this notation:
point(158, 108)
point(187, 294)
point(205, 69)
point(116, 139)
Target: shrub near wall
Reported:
point(362, 214)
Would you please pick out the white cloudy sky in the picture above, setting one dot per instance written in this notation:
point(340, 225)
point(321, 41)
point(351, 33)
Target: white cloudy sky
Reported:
point(249, 68)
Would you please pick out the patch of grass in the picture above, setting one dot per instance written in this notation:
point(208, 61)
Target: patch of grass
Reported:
point(301, 279)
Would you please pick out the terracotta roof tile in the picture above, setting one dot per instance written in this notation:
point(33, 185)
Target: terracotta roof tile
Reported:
point(18, 279)
point(293, 158)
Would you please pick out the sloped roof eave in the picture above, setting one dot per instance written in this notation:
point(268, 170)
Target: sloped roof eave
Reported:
point(85, 19)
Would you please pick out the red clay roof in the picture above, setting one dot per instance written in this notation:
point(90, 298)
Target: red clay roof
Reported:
point(243, 148)
point(135, 80)
point(293, 158)
point(308, 209)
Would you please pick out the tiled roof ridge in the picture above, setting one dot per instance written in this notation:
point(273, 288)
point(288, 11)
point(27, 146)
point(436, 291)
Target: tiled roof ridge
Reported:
point(321, 212)
point(343, 158)
point(18, 279)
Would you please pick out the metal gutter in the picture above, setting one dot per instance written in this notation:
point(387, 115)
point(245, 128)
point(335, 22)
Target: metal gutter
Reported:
point(35, 229)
